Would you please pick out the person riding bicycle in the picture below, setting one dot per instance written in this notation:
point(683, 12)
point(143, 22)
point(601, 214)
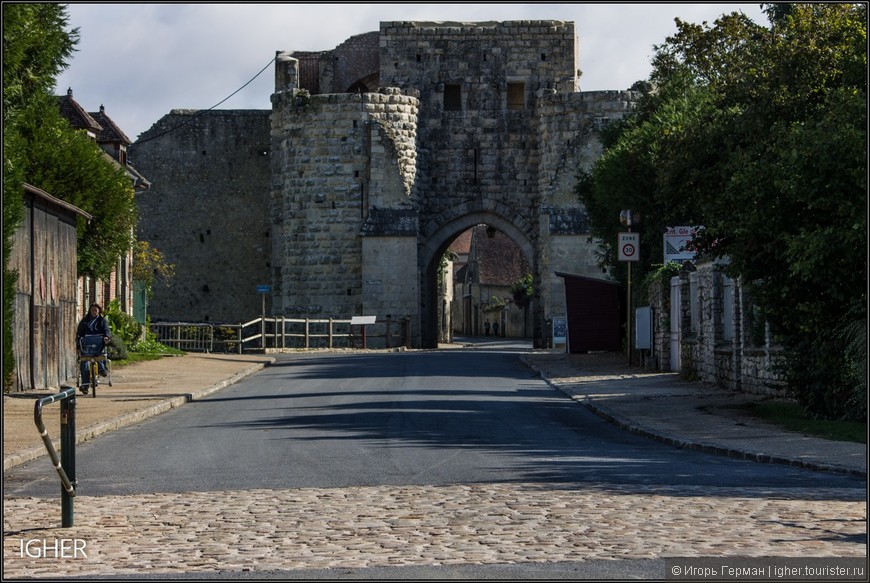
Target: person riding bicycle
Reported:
point(93, 324)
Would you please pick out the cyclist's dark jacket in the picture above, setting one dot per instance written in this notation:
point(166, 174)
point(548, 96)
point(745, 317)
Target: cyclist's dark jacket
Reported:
point(90, 325)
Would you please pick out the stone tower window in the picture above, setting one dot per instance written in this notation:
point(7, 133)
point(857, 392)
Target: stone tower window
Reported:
point(516, 95)
point(452, 97)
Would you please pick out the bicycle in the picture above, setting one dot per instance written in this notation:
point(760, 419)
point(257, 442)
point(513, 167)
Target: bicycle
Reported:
point(92, 351)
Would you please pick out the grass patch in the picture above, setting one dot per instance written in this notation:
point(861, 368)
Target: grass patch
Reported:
point(133, 357)
point(791, 416)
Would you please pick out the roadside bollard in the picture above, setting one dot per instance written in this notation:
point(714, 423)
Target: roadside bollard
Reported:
point(66, 465)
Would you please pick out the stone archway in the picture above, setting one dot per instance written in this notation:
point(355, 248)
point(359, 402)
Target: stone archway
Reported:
point(431, 247)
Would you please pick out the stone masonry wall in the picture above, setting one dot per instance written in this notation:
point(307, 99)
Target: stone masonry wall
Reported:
point(479, 86)
point(336, 156)
point(499, 133)
point(355, 59)
point(207, 211)
point(471, 123)
point(567, 142)
point(739, 363)
point(478, 149)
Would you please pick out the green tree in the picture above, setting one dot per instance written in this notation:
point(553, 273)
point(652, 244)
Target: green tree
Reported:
point(759, 134)
point(36, 46)
point(628, 174)
point(69, 165)
point(149, 266)
point(41, 148)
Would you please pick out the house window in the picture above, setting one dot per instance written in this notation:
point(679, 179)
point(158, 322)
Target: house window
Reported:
point(516, 96)
point(727, 308)
point(452, 97)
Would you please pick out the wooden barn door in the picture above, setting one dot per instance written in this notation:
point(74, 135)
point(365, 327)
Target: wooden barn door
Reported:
point(51, 250)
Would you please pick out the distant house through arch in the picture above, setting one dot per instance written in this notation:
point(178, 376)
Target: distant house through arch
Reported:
point(433, 247)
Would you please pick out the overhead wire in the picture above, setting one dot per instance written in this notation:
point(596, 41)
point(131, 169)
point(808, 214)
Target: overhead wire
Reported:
point(201, 111)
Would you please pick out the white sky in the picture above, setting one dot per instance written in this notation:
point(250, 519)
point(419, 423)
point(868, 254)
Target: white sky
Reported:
point(142, 60)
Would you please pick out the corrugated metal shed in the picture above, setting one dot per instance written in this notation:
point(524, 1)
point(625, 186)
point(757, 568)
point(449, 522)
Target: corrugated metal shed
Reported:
point(595, 313)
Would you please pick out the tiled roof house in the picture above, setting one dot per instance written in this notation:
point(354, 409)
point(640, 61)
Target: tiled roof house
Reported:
point(494, 263)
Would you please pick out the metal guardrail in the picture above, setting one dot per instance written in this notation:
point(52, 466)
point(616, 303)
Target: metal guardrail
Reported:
point(187, 336)
point(279, 333)
point(66, 465)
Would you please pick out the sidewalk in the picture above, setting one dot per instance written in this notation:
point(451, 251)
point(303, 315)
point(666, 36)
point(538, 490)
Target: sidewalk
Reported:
point(139, 391)
point(656, 405)
point(691, 415)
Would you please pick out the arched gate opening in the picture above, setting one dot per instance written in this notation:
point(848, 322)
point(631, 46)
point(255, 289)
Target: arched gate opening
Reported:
point(433, 246)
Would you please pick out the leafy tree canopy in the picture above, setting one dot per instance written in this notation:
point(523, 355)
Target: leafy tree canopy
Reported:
point(69, 165)
point(758, 134)
point(41, 148)
point(36, 48)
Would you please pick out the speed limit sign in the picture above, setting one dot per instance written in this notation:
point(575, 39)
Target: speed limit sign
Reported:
point(628, 245)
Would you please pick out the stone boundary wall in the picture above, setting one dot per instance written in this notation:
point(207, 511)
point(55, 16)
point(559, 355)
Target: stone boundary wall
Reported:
point(735, 363)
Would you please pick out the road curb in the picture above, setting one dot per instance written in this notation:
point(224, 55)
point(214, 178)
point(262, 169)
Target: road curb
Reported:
point(92, 431)
point(711, 448)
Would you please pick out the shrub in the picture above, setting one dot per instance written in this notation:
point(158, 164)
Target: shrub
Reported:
point(123, 325)
point(116, 349)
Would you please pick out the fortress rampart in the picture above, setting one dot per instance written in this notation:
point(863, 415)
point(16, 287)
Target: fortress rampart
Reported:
point(381, 152)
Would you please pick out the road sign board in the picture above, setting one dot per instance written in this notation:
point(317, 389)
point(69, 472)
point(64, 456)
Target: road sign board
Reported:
point(264, 289)
point(628, 246)
point(560, 331)
point(676, 243)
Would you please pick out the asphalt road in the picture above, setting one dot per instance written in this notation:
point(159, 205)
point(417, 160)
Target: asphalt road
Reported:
point(411, 418)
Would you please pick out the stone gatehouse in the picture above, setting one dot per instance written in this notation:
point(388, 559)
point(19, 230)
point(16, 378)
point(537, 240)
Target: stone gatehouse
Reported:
point(374, 157)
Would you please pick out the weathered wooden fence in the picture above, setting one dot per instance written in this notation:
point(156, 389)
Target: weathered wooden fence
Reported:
point(277, 334)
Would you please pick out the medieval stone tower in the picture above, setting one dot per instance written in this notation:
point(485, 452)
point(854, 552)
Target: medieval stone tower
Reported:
point(381, 151)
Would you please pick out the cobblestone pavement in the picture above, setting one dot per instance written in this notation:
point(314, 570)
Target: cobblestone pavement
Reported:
point(205, 532)
point(202, 533)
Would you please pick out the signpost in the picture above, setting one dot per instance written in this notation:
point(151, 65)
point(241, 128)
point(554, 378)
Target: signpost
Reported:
point(628, 248)
point(263, 289)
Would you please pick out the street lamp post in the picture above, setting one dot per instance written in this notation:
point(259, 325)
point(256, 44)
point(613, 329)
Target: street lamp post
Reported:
point(629, 252)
